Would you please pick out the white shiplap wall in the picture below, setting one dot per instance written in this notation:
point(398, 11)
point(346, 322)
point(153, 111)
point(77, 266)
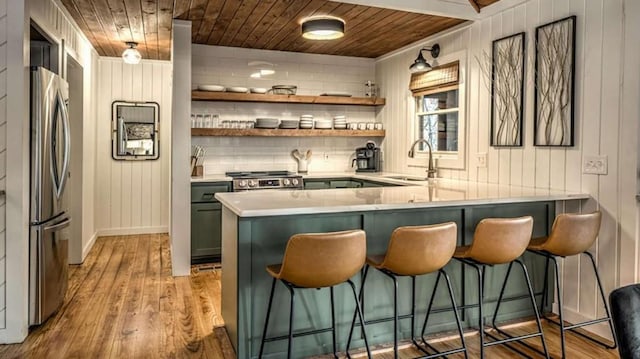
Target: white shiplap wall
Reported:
point(600, 120)
point(132, 196)
point(313, 74)
point(3, 152)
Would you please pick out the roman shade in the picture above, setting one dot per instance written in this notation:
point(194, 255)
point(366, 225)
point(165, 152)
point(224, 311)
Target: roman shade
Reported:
point(439, 79)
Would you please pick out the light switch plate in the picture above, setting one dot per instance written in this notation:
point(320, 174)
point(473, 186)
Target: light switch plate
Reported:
point(595, 165)
point(481, 158)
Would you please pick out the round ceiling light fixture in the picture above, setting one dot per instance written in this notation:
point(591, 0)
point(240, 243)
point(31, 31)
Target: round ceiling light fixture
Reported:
point(323, 28)
point(131, 55)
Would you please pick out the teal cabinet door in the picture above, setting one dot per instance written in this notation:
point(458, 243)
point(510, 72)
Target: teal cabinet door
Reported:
point(345, 184)
point(206, 238)
point(316, 184)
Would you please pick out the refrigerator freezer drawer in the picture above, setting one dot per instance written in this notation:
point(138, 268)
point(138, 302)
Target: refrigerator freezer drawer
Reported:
point(48, 268)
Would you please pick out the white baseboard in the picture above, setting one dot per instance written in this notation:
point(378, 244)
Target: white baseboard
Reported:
point(131, 231)
point(571, 316)
point(89, 245)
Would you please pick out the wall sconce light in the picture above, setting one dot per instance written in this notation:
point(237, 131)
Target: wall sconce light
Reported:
point(420, 64)
point(323, 28)
point(131, 55)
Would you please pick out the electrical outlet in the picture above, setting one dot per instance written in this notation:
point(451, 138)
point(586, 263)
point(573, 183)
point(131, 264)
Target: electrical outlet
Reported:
point(481, 158)
point(325, 156)
point(595, 165)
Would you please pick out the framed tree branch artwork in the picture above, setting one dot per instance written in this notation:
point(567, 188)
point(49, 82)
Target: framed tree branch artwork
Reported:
point(507, 90)
point(554, 83)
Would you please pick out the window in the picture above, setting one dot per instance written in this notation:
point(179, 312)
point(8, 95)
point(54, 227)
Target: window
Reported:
point(439, 113)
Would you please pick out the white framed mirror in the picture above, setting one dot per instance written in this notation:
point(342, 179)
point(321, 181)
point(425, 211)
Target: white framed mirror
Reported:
point(135, 130)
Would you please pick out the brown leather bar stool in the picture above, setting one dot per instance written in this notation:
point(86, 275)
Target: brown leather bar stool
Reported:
point(318, 260)
point(500, 241)
point(415, 251)
point(571, 234)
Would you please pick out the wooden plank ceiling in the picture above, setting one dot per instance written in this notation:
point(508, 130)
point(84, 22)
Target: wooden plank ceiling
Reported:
point(256, 24)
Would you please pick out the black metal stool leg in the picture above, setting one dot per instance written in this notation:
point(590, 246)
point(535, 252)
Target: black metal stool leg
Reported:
point(455, 310)
point(559, 293)
point(355, 313)
point(413, 307)
point(359, 313)
point(604, 301)
point(504, 286)
point(290, 344)
point(395, 316)
point(426, 318)
point(266, 321)
point(545, 287)
point(535, 307)
point(480, 271)
point(333, 324)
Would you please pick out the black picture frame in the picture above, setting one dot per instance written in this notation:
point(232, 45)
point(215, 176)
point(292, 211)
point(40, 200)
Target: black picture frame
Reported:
point(507, 90)
point(554, 100)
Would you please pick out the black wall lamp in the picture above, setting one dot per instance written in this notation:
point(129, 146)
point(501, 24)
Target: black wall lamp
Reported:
point(420, 64)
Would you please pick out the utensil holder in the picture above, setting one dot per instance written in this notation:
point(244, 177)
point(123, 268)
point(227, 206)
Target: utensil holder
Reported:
point(197, 171)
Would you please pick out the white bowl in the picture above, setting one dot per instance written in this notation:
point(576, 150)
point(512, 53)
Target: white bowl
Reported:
point(213, 88)
point(258, 90)
point(238, 89)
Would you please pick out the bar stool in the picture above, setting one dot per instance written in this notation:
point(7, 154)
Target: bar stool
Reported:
point(571, 234)
point(500, 241)
point(318, 260)
point(414, 251)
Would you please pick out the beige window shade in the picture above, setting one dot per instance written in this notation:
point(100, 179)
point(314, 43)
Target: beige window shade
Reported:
point(439, 78)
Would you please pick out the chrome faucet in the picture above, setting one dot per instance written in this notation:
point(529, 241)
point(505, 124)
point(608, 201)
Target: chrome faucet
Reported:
point(431, 171)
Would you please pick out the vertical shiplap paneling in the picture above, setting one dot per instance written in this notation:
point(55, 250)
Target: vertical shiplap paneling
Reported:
point(593, 62)
point(504, 154)
point(529, 152)
point(599, 124)
point(3, 150)
point(133, 196)
point(609, 130)
point(517, 154)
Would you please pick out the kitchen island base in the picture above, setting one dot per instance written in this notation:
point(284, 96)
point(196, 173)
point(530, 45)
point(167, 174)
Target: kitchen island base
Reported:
point(249, 244)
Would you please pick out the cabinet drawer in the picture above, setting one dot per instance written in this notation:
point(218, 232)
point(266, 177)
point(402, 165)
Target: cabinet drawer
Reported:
point(206, 192)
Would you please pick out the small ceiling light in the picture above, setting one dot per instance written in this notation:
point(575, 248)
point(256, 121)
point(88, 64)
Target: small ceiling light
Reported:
point(323, 28)
point(131, 55)
point(420, 64)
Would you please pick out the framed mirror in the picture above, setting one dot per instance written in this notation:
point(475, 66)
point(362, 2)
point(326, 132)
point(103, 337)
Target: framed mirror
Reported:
point(135, 129)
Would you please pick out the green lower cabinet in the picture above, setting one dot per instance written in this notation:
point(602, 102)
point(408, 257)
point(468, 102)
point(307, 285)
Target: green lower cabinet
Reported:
point(206, 238)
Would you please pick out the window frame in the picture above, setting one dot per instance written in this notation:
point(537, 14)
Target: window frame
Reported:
point(445, 159)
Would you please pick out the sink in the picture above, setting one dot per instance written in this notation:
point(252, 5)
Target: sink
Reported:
point(407, 178)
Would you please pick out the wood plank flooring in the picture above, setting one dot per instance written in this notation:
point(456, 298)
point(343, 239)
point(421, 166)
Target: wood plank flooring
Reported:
point(124, 303)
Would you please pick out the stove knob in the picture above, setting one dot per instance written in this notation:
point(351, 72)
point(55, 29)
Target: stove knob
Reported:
point(286, 182)
point(242, 183)
point(294, 181)
point(252, 183)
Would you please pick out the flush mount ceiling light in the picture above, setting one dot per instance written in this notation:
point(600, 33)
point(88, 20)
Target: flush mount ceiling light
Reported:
point(131, 55)
point(323, 28)
point(420, 64)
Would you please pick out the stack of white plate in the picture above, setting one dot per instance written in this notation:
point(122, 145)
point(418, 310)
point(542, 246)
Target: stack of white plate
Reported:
point(213, 88)
point(306, 121)
point(340, 122)
point(289, 124)
point(267, 123)
point(238, 89)
point(324, 124)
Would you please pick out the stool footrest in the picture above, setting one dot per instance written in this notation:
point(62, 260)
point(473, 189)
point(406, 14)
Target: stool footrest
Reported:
point(515, 339)
point(295, 335)
point(573, 328)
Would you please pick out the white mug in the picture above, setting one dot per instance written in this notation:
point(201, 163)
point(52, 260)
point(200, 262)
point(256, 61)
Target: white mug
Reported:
point(378, 126)
point(362, 126)
point(370, 126)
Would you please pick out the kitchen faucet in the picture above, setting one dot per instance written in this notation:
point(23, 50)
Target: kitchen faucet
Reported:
point(431, 172)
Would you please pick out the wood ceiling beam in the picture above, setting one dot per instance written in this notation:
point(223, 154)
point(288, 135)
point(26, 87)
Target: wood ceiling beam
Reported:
point(475, 5)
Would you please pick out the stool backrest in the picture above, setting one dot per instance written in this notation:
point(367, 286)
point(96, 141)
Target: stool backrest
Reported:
point(416, 250)
point(573, 233)
point(316, 260)
point(501, 240)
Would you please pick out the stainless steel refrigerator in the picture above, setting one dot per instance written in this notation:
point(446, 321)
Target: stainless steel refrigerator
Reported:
point(49, 212)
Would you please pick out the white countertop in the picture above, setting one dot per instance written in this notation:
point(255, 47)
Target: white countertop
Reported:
point(418, 194)
point(219, 177)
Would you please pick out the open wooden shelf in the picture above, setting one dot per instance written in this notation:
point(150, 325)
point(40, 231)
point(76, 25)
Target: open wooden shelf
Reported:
point(257, 132)
point(301, 99)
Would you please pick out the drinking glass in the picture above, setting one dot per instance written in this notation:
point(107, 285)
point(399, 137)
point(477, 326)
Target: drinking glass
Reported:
point(208, 123)
point(199, 121)
point(193, 121)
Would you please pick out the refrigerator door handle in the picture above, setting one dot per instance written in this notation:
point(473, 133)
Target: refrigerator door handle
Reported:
point(57, 226)
point(61, 109)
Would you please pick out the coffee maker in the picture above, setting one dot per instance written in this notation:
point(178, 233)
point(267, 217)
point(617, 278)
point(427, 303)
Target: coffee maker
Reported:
point(367, 158)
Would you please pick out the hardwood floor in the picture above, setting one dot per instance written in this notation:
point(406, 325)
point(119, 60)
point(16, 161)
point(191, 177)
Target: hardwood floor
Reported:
point(124, 303)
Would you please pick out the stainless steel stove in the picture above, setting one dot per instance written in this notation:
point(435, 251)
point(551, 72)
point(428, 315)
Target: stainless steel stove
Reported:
point(247, 181)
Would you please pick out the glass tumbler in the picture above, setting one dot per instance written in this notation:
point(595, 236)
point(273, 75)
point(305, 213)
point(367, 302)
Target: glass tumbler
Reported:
point(199, 121)
point(208, 122)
